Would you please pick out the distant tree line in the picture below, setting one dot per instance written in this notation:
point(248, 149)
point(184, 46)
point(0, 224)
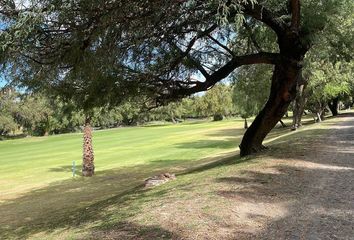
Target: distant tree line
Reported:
point(37, 114)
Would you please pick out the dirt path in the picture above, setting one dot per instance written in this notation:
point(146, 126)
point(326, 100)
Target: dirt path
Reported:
point(310, 194)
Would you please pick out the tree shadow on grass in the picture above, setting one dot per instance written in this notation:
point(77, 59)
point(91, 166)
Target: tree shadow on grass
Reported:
point(229, 132)
point(70, 203)
point(216, 144)
point(66, 168)
point(129, 230)
point(65, 205)
point(12, 137)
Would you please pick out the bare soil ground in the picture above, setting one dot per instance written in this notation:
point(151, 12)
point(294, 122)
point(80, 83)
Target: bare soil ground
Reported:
point(315, 189)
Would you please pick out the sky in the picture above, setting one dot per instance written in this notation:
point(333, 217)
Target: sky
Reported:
point(2, 81)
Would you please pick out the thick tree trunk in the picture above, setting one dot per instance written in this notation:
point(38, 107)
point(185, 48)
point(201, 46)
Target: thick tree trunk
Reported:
point(299, 103)
point(88, 167)
point(283, 91)
point(333, 106)
point(286, 76)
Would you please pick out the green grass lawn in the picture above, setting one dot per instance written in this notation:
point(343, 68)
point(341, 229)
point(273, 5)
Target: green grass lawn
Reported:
point(39, 197)
point(38, 161)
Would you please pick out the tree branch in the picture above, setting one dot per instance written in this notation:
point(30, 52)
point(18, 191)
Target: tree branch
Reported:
point(262, 14)
point(221, 45)
point(223, 72)
point(238, 61)
point(295, 15)
point(190, 58)
point(190, 45)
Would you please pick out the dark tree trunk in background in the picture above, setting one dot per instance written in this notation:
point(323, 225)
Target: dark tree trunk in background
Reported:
point(333, 106)
point(299, 103)
point(246, 124)
point(88, 167)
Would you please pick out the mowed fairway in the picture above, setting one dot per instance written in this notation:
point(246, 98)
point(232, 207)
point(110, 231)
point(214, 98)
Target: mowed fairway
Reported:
point(37, 161)
point(36, 183)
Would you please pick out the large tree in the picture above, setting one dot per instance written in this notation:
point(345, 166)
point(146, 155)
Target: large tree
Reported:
point(167, 49)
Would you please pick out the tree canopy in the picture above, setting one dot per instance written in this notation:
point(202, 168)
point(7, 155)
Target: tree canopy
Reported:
point(100, 53)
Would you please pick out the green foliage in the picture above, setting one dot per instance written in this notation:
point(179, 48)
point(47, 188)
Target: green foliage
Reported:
point(329, 66)
point(251, 90)
point(90, 55)
point(8, 109)
point(217, 101)
point(7, 124)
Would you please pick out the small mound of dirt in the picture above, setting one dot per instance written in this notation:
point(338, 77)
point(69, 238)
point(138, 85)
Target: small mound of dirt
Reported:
point(159, 179)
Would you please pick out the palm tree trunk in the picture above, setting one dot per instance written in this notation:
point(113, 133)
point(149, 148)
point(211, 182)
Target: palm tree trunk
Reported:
point(88, 167)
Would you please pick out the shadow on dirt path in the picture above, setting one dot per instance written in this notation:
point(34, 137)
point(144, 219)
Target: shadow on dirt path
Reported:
point(306, 191)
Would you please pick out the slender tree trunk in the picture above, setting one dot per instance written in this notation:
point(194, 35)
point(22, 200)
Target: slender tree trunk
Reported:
point(283, 91)
point(323, 113)
point(333, 106)
point(173, 118)
point(282, 123)
point(319, 117)
point(299, 103)
point(246, 124)
point(88, 167)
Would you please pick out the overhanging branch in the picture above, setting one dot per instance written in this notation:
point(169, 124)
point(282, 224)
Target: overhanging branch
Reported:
point(222, 73)
point(264, 15)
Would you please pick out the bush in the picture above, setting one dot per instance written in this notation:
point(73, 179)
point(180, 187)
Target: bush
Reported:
point(218, 117)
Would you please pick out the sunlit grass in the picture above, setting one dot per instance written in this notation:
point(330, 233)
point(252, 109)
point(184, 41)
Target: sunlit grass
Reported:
point(39, 195)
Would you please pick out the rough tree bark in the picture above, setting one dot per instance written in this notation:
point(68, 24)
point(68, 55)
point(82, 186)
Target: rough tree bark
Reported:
point(283, 91)
point(333, 106)
point(88, 167)
point(286, 75)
